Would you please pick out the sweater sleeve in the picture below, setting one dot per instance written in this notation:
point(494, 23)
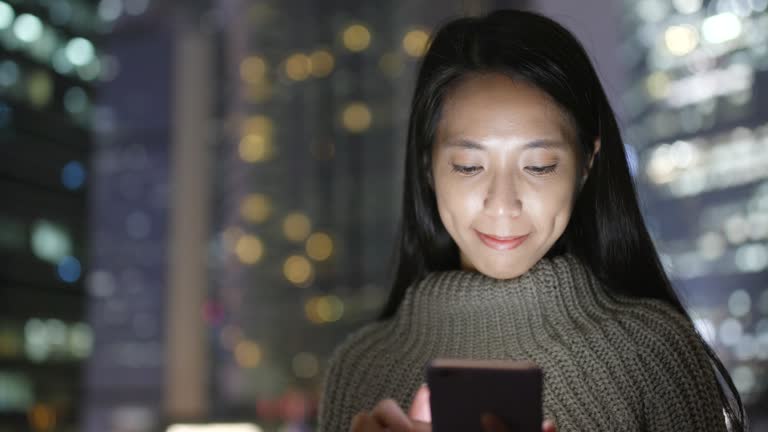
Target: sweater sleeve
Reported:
point(340, 399)
point(680, 390)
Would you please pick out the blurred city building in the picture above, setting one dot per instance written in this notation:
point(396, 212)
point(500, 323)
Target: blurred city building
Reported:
point(697, 126)
point(309, 182)
point(200, 198)
point(49, 66)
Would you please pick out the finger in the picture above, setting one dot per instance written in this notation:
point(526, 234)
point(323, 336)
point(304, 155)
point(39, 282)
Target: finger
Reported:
point(388, 413)
point(548, 426)
point(492, 423)
point(364, 422)
point(420, 426)
point(420, 409)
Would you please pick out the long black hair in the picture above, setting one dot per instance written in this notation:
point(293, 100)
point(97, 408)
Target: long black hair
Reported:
point(606, 230)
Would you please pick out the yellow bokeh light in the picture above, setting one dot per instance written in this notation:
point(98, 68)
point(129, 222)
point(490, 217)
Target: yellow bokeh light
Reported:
point(322, 63)
point(249, 249)
point(356, 117)
point(319, 246)
point(257, 125)
point(298, 270)
point(256, 208)
point(39, 88)
point(324, 309)
point(681, 39)
point(253, 69)
point(356, 37)
point(248, 354)
point(298, 67)
point(42, 417)
point(415, 42)
point(296, 227)
point(657, 85)
point(255, 148)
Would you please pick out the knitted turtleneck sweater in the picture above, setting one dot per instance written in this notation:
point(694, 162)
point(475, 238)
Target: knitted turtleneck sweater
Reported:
point(610, 361)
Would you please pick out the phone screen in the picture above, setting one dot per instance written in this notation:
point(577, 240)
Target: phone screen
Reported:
point(461, 391)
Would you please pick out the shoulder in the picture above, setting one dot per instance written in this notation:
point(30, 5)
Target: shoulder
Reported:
point(343, 391)
point(656, 324)
point(673, 371)
point(356, 343)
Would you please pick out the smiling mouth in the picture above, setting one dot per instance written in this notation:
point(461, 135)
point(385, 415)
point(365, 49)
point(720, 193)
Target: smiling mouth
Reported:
point(501, 243)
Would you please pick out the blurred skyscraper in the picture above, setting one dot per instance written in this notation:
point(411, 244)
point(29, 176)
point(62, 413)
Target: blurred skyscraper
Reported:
point(698, 131)
point(49, 63)
point(309, 181)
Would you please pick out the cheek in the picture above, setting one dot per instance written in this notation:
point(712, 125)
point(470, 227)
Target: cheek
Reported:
point(550, 210)
point(457, 206)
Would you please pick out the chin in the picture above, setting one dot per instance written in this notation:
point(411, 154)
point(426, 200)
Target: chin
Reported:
point(503, 270)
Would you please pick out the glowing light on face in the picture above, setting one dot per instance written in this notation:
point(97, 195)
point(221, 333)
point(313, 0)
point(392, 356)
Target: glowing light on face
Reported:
point(505, 170)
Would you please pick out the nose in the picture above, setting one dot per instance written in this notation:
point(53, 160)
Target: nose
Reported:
point(502, 198)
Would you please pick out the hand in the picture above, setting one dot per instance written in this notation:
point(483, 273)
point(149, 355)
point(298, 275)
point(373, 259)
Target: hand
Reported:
point(387, 416)
point(421, 412)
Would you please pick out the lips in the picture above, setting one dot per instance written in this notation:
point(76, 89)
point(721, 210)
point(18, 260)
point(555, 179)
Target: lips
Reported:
point(501, 243)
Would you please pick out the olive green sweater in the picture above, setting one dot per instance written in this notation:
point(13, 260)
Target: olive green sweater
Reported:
point(610, 361)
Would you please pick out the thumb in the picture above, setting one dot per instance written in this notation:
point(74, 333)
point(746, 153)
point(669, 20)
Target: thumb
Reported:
point(420, 406)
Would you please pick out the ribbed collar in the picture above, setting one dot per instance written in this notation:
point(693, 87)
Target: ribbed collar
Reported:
point(551, 282)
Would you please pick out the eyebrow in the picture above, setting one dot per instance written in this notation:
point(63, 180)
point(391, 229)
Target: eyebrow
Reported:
point(472, 145)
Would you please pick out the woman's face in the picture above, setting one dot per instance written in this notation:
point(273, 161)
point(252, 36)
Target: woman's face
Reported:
point(505, 168)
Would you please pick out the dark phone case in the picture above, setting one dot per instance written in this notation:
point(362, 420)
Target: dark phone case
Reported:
point(460, 395)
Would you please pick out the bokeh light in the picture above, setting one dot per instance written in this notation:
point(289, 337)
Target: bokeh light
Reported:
point(324, 309)
point(356, 117)
point(681, 39)
point(248, 354)
point(415, 42)
point(298, 270)
point(256, 208)
point(80, 51)
point(298, 67)
point(356, 37)
point(321, 63)
point(249, 249)
point(6, 15)
point(319, 246)
point(28, 28)
point(255, 148)
point(73, 175)
point(253, 69)
point(296, 226)
point(69, 269)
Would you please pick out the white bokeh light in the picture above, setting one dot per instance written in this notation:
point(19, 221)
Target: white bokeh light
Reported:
point(28, 28)
point(80, 51)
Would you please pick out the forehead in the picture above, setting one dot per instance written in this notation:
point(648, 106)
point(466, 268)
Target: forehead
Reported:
point(495, 105)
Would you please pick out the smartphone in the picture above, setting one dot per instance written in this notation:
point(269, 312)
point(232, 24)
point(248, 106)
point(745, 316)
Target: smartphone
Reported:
point(461, 390)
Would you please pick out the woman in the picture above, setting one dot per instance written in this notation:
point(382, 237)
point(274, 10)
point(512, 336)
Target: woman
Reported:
point(521, 238)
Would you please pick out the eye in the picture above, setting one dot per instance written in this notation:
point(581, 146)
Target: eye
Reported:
point(541, 170)
point(466, 170)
